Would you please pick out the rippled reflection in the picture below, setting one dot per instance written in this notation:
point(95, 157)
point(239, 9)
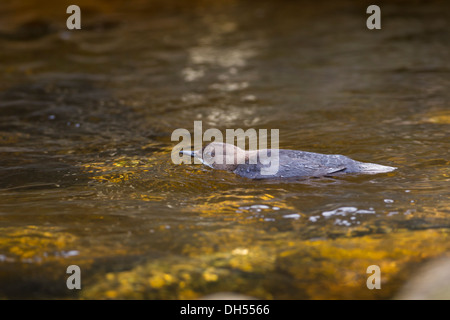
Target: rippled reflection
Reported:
point(85, 148)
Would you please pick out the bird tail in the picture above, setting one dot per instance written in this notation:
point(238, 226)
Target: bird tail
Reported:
point(372, 168)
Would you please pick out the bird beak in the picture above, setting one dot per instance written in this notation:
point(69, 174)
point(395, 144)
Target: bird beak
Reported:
point(189, 153)
point(194, 154)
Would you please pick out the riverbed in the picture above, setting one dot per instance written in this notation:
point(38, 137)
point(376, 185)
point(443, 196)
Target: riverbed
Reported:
point(86, 118)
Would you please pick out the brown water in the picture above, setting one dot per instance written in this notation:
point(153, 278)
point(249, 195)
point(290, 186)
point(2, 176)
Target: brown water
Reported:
point(85, 138)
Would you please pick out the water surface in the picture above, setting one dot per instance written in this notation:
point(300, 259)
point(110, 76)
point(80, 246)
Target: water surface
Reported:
point(85, 147)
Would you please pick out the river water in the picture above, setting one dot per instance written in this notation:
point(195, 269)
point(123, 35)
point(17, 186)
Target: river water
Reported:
point(86, 118)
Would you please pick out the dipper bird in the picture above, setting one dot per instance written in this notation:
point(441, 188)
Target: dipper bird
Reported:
point(280, 163)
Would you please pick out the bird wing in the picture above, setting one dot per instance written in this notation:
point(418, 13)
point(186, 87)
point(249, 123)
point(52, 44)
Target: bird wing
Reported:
point(337, 169)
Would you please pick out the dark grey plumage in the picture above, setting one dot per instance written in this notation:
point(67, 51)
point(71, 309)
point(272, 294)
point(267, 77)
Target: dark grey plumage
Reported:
point(291, 163)
point(294, 163)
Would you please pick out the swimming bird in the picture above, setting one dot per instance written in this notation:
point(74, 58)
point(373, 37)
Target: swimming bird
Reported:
point(280, 163)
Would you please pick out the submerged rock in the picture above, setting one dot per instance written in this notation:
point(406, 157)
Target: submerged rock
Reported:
point(432, 282)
